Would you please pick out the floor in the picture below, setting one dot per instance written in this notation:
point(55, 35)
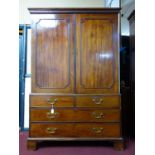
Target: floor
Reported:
point(74, 148)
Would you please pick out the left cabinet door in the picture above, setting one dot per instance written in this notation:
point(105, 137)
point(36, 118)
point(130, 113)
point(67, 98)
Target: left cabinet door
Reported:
point(53, 54)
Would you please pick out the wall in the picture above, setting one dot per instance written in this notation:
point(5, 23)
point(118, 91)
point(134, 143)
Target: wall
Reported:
point(112, 3)
point(127, 7)
point(124, 27)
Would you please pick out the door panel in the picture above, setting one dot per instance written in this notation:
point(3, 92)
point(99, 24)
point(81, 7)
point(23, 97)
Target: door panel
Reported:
point(97, 53)
point(53, 56)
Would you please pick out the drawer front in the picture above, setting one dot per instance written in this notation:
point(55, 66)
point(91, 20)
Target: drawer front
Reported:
point(75, 115)
point(48, 101)
point(98, 101)
point(86, 130)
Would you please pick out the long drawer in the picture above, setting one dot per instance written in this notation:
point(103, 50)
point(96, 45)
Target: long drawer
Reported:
point(49, 100)
point(75, 115)
point(109, 101)
point(106, 101)
point(75, 130)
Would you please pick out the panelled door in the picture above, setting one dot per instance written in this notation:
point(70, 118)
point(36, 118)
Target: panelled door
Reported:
point(97, 53)
point(53, 54)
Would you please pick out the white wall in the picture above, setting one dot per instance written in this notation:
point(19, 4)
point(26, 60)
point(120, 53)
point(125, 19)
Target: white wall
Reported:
point(127, 7)
point(112, 3)
point(125, 27)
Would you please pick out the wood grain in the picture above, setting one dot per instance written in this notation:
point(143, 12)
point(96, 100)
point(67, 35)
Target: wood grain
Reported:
point(110, 101)
point(74, 115)
point(31, 145)
point(97, 53)
point(52, 59)
point(75, 130)
point(119, 145)
point(46, 100)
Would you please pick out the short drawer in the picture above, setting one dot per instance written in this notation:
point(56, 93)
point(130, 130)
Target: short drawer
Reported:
point(80, 130)
point(98, 101)
point(48, 101)
point(74, 115)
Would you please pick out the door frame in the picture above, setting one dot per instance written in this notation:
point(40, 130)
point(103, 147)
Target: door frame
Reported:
point(22, 72)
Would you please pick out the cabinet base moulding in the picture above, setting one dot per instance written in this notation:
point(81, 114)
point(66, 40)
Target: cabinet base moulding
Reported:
point(32, 143)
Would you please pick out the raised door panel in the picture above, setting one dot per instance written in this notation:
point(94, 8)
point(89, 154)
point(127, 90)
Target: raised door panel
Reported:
point(52, 54)
point(97, 53)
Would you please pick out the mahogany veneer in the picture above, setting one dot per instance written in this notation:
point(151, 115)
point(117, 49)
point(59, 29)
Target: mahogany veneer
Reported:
point(75, 115)
point(76, 130)
point(75, 76)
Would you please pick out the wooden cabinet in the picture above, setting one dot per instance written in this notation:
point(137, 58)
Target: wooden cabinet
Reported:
point(75, 76)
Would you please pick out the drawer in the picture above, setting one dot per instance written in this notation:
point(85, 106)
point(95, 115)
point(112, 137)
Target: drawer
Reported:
point(48, 100)
point(74, 115)
point(98, 101)
point(79, 130)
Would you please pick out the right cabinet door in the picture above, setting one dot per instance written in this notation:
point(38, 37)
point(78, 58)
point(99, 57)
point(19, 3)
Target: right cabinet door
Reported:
point(97, 44)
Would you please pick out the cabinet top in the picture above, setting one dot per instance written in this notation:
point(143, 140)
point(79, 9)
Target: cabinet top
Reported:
point(73, 10)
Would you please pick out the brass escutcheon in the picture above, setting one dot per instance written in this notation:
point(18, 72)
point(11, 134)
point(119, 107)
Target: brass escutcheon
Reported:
point(52, 101)
point(52, 115)
point(98, 115)
point(97, 101)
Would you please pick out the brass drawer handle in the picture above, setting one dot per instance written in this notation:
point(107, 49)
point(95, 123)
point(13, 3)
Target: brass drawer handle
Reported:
point(98, 115)
point(97, 101)
point(52, 101)
point(97, 130)
point(51, 130)
point(52, 115)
